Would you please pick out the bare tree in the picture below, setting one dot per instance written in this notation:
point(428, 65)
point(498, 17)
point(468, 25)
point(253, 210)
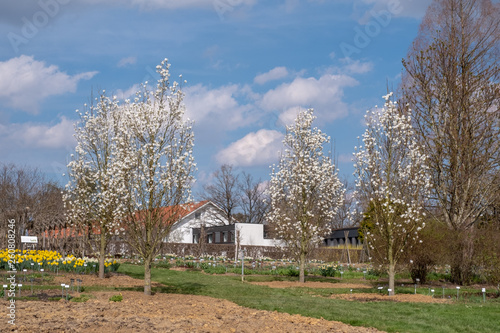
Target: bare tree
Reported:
point(252, 199)
point(48, 211)
point(451, 82)
point(27, 197)
point(224, 191)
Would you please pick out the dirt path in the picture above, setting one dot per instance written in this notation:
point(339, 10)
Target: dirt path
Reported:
point(157, 313)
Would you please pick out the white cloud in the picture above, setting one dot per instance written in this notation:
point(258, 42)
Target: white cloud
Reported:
point(219, 105)
point(357, 66)
point(31, 136)
point(255, 148)
point(345, 158)
point(127, 61)
point(288, 116)
point(26, 82)
point(129, 93)
point(274, 74)
point(323, 94)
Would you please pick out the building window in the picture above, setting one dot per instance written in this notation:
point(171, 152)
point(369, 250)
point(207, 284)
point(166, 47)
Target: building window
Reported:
point(197, 215)
point(210, 238)
point(225, 236)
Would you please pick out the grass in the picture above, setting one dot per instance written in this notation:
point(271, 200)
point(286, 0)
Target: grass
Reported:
point(461, 316)
point(82, 298)
point(116, 298)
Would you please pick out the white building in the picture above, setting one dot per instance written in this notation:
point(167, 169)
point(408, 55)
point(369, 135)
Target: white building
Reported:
point(252, 234)
point(217, 229)
point(194, 215)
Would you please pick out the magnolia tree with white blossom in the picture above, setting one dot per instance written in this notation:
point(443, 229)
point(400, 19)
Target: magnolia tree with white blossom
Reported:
point(133, 168)
point(304, 191)
point(155, 151)
point(92, 195)
point(393, 180)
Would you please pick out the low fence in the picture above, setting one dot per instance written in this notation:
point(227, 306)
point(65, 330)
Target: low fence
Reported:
point(122, 249)
point(327, 254)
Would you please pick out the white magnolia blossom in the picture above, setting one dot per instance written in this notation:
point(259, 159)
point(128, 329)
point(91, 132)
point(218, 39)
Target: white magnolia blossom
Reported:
point(304, 189)
point(392, 179)
point(132, 160)
point(91, 194)
point(155, 149)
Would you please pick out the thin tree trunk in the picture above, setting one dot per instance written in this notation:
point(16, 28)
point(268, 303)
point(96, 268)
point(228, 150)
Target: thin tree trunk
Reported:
point(392, 273)
point(346, 235)
point(102, 249)
point(147, 276)
point(390, 257)
point(302, 265)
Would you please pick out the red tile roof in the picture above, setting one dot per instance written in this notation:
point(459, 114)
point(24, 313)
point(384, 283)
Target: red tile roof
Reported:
point(181, 211)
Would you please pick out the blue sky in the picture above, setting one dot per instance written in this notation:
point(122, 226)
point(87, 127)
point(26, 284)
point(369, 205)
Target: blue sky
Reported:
point(249, 66)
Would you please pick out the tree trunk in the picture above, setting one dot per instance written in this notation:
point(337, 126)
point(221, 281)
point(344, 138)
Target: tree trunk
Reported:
point(102, 249)
point(302, 265)
point(392, 273)
point(461, 268)
point(147, 276)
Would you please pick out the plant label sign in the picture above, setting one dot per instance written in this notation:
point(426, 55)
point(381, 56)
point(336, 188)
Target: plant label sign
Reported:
point(29, 239)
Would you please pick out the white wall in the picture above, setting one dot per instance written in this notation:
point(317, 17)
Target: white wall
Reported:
point(182, 231)
point(253, 234)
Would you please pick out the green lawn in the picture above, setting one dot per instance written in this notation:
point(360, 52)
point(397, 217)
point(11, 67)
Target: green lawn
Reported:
point(470, 316)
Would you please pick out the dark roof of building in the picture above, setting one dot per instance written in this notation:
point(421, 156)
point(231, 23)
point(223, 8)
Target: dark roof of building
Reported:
point(340, 233)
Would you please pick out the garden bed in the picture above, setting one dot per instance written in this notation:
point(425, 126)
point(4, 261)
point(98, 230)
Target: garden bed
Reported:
point(158, 313)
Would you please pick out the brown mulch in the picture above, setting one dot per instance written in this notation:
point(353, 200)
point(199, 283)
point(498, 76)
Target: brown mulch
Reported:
point(158, 313)
point(162, 313)
point(110, 280)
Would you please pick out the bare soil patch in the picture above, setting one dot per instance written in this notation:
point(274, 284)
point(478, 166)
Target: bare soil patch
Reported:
point(309, 284)
point(364, 297)
point(158, 313)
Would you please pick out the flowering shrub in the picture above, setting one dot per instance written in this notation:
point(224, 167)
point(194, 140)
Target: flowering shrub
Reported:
point(327, 270)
